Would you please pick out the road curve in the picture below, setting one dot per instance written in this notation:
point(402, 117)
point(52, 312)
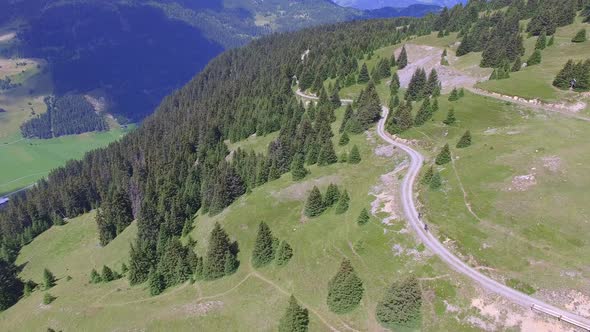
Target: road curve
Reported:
point(430, 241)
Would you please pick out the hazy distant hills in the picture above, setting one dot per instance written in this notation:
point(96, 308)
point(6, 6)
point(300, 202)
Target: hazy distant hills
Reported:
point(375, 4)
point(137, 51)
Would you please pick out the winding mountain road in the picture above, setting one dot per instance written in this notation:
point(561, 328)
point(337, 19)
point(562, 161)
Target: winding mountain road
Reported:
point(432, 243)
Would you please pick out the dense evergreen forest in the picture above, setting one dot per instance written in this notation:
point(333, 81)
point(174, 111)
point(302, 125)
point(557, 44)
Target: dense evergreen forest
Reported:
point(177, 163)
point(67, 115)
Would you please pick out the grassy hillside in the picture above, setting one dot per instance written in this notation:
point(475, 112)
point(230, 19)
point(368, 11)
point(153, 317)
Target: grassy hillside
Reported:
point(380, 253)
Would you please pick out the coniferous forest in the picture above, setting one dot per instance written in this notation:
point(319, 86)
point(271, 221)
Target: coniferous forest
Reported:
point(176, 164)
point(67, 115)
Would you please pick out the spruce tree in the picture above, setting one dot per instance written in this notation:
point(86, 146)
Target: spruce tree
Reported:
point(199, 269)
point(363, 217)
point(343, 157)
point(454, 96)
point(355, 155)
point(343, 203)
point(284, 253)
point(517, 65)
point(394, 85)
point(348, 114)
point(363, 75)
point(295, 318)
point(327, 155)
point(156, 283)
point(315, 203)
point(28, 289)
point(444, 156)
point(219, 245)
point(335, 97)
point(424, 113)
point(400, 305)
point(427, 175)
point(417, 88)
point(231, 263)
point(107, 274)
point(534, 59)
point(332, 195)
point(551, 41)
point(298, 170)
point(394, 102)
point(433, 84)
point(48, 279)
point(48, 298)
point(344, 139)
point(541, 41)
point(95, 278)
point(345, 289)
point(435, 181)
point(402, 59)
point(263, 252)
point(580, 36)
point(465, 140)
point(11, 287)
point(450, 119)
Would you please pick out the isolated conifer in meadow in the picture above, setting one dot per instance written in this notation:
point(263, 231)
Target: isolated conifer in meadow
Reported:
point(434, 106)
point(427, 175)
point(48, 298)
point(444, 156)
point(295, 318)
point(27, 290)
point(332, 195)
point(450, 117)
point(461, 93)
point(355, 155)
point(580, 36)
point(344, 139)
point(48, 279)
point(394, 84)
point(435, 181)
point(541, 41)
point(551, 41)
point(465, 140)
point(219, 245)
point(400, 305)
point(534, 59)
point(454, 96)
point(345, 289)
point(298, 170)
point(315, 203)
point(156, 283)
point(284, 253)
point(363, 217)
point(402, 59)
point(343, 157)
point(348, 113)
point(327, 155)
point(343, 203)
point(95, 278)
point(107, 274)
point(263, 252)
point(363, 75)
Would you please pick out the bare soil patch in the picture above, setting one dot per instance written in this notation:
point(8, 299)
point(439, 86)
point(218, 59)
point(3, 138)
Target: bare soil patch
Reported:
point(386, 195)
point(523, 182)
point(298, 191)
point(428, 57)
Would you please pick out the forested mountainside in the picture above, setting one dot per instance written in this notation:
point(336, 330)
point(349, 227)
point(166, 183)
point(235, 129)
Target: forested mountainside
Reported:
point(139, 51)
point(177, 162)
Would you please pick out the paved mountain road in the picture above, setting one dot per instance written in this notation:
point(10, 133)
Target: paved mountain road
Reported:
point(430, 241)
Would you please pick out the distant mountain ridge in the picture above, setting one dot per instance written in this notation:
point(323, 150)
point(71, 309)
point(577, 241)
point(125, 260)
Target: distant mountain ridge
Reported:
point(376, 4)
